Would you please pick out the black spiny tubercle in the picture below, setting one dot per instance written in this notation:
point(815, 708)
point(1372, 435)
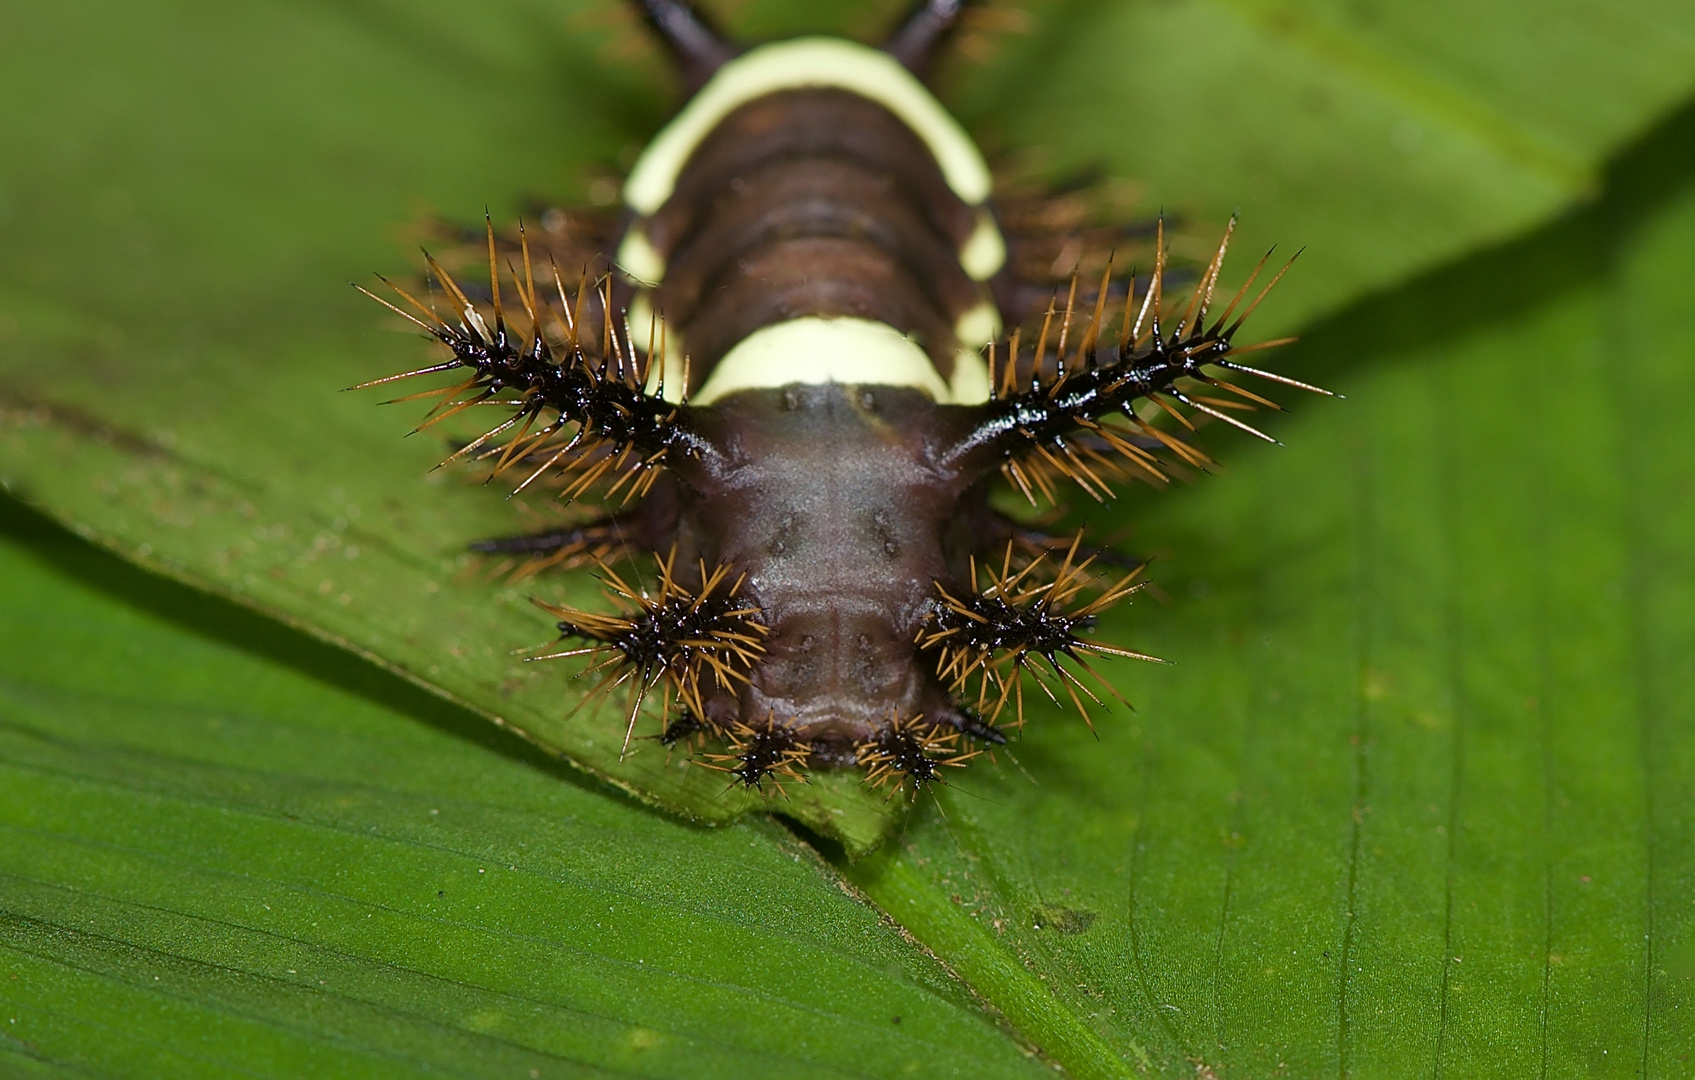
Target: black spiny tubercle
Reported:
point(756, 754)
point(991, 635)
point(909, 752)
point(557, 380)
point(830, 584)
point(677, 639)
point(1052, 412)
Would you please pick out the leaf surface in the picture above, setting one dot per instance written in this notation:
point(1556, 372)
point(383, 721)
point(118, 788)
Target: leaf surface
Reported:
point(1415, 798)
point(205, 177)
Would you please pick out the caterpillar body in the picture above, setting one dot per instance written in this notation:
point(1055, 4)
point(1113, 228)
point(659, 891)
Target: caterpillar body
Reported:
point(791, 388)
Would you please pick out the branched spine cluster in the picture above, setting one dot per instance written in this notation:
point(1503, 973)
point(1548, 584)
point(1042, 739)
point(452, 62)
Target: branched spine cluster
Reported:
point(1051, 415)
point(579, 405)
point(674, 639)
point(906, 751)
point(1074, 415)
point(756, 754)
point(992, 635)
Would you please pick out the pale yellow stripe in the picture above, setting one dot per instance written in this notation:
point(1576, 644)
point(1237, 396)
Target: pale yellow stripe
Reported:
point(808, 62)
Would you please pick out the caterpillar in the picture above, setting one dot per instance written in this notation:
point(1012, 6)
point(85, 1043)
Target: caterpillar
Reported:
point(783, 374)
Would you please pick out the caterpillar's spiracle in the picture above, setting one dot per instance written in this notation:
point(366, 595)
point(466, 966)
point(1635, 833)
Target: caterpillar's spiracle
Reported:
point(783, 374)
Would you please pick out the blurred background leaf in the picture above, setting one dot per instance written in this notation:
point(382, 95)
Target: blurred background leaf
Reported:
point(1426, 735)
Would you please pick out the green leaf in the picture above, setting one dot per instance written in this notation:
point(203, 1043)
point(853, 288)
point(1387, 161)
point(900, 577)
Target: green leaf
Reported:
point(1415, 798)
point(202, 178)
point(226, 849)
point(1418, 796)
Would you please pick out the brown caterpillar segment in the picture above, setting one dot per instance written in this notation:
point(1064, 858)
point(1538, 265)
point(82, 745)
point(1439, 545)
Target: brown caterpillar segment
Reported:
point(852, 218)
point(794, 394)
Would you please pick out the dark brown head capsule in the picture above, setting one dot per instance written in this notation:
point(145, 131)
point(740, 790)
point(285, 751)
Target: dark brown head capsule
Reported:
point(793, 379)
